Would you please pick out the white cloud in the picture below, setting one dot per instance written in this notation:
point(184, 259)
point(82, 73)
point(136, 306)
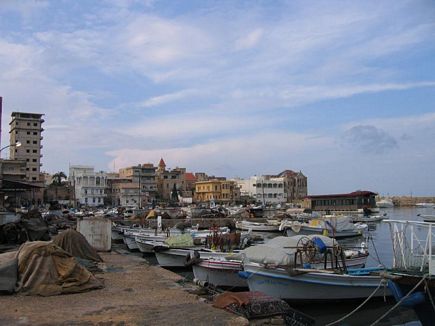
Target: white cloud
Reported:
point(250, 40)
point(168, 98)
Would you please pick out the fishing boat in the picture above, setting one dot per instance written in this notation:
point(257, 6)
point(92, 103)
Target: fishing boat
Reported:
point(304, 284)
point(427, 218)
point(412, 276)
point(257, 227)
point(333, 226)
point(222, 270)
point(368, 218)
point(385, 203)
point(425, 205)
point(173, 253)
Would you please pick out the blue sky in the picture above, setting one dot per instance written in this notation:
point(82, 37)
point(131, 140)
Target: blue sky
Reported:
point(344, 91)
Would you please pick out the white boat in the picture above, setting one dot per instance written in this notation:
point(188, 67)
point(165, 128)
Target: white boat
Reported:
point(129, 240)
point(427, 218)
point(179, 257)
point(258, 227)
point(385, 203)
point(369, 218)
point(146, 244)
point(310, 284)
point(425, 205)
point(219, 272)
point(222, 271)
point(332, 226)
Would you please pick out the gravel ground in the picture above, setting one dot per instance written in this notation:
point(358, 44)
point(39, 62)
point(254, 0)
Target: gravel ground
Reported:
point(135, 293)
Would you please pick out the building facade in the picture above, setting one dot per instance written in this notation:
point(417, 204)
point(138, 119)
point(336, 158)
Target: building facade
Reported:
point(341, 202)
point(169, 181)
point(144, 176)
point(89, 185)
point(26, 128)
point(219, 191)
point(295, 185)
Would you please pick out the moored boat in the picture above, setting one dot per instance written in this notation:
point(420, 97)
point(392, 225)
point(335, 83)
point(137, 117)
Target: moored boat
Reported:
point(258, 227)
point(280, 251)
point(312, 285)
point(333, 226)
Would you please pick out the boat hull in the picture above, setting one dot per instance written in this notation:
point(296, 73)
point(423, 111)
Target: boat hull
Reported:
point(130, 242)
point(219, 273)
point(319, 231)
point(177, 257)
point(312, 286)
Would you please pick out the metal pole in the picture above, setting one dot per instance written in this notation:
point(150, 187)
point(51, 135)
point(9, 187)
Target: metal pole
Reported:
point(140, 190)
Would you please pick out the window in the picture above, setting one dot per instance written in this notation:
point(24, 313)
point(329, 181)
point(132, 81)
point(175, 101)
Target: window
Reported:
point(33, 169)
point(34, 160)
point(34, 178)
point(34, 151)
point(28, 141)
point(35, 133)
point(27, 160)
point(27, 169)
point(28, 123)
point(35, 124)
point(35, 142)
point(28, 132)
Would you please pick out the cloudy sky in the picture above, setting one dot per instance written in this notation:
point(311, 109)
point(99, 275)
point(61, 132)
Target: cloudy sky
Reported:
point(344, 91)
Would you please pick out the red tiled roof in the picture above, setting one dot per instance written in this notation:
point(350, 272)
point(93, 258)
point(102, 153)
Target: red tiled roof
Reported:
point(189, 176)
point(162, 163)
point(359, 193)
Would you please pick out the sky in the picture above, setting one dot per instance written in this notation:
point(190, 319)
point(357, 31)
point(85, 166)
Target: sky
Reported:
point(343, 91)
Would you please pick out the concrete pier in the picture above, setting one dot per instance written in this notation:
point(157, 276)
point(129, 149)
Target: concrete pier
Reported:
point(135, 293)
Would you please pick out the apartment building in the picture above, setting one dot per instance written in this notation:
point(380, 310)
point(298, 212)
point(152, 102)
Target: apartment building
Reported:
point(26, 129)
point(287, 186)
point(144, 176)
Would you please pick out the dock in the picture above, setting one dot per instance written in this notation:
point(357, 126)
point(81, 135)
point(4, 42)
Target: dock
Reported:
point(135, 293)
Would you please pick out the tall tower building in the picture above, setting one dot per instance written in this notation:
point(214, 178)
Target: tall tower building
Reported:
point(26, 128)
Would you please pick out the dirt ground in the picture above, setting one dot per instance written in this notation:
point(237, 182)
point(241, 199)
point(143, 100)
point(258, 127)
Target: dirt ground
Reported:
point(134, 294)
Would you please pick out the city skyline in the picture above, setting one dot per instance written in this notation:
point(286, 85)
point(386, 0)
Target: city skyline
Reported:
point(344, 92)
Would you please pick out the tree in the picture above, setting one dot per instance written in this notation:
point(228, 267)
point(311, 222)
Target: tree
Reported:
point(57, 178)
point(174, 193)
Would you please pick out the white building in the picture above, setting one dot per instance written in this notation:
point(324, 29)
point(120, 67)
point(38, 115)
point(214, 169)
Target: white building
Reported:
point(89, 185)
point(265, 189)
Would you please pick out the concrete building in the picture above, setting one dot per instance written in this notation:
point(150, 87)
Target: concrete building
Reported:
point(89, 185)
point(218, 191)
point(26, 128)
point(287, 186)
point(126, 194)
point(144, 176)
point(295, 185)
point(12, 176)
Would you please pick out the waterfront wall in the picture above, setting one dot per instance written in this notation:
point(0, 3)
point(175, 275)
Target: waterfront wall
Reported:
point(408, 201)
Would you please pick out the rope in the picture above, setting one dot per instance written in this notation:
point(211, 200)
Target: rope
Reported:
point(359, 307)
point(399, 302)
point(427, 288)
point(376, 251)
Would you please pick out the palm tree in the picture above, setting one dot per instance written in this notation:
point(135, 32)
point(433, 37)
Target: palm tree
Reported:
point(58, 177)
